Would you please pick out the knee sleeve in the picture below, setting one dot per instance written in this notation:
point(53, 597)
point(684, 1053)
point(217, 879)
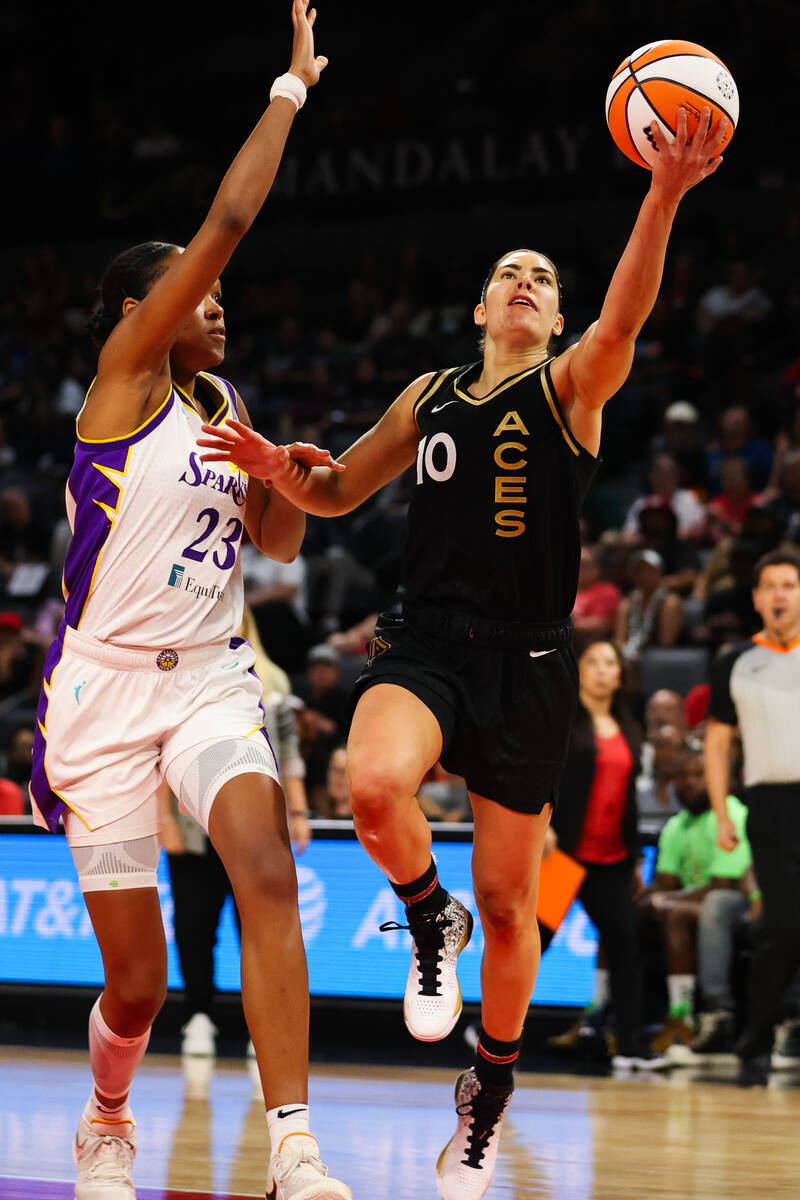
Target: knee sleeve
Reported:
point(118, 865)
point(197, 775)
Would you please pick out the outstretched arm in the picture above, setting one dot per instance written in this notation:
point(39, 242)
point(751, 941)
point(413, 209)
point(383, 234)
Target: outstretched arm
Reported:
point(142, 340)
point(297, 473)
point(590, 372)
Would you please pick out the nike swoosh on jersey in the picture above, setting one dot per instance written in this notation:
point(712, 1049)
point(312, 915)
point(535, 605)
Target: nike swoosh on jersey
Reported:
point(439, 407)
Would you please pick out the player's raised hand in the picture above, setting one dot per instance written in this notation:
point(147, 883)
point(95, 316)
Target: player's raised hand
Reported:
point(305, 64)
point(239, 444)
point(684, 162)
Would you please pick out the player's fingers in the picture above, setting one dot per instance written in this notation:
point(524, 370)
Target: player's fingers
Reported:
point(223, 433)
point(681, 134)
point(220, 447)
point(321, 62)
point(657, 134)
point(311, 16)
point(714, 142)
point(232, 423)
point(214, 457)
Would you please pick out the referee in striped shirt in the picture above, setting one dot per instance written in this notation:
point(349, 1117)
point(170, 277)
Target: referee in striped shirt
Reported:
point(756, 685)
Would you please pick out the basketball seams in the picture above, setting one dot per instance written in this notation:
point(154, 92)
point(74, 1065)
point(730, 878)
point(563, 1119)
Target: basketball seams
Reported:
point(659, 79)
point(685, 87)
point(656, 52)
point(626, 113)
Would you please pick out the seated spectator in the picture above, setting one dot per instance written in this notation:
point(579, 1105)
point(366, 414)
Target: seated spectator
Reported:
point(728, 613)
point(681, 438)
point(323, 722)
point(689, 867)
point(658, 530)
point(664, 707)
point(651, 615)
point(597, 600)
point(656, 798)
point(726, 512)
point(736, 440)
point(763, 527)
point(665, 491)
point(333, 801)
point(595, 822)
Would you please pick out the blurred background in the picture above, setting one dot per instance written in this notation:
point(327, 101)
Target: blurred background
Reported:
point(439, 137)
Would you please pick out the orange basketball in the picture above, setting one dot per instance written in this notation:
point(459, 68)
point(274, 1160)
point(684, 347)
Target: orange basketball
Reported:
point(658, 80)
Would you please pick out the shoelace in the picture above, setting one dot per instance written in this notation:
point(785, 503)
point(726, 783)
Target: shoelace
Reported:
point(111, 1157)
point(292, 1160)
point(485, 1109)
point(427, 930)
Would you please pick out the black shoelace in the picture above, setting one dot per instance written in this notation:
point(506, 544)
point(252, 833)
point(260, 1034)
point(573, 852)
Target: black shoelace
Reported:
point(485, 1108)
point(427, 930)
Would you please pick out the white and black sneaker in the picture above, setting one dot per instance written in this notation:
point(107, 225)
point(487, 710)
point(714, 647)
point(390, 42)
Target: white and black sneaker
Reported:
point(432, 1003)
point(296, 1173)
point(715, 1036)
point(638, 1056)
point(466, 1165)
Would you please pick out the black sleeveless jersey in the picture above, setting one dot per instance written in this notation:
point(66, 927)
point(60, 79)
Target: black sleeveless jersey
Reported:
point(493, 520)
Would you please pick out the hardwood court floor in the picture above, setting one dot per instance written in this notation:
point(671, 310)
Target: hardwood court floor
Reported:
point(202, 1132)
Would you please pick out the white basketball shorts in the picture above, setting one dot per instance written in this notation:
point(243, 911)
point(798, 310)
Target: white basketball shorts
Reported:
point(118, 721)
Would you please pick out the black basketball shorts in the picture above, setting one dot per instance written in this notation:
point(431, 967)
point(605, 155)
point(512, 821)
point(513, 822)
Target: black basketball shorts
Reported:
point(505, 715)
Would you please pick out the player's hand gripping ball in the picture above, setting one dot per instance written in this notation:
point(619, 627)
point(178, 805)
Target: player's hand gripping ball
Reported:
point(655, 82)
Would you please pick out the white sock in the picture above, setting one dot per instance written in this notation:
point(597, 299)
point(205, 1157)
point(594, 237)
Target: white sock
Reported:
point(601, 988)
point(114, 1059)
point(681, 994)
point(288, 1119)
point(95, 1111)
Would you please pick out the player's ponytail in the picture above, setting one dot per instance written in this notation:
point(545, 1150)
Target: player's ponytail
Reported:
point(131, 273)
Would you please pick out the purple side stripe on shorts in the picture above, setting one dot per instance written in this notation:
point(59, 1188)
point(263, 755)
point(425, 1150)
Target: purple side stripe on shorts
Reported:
point(235, 643)
point(49, 803)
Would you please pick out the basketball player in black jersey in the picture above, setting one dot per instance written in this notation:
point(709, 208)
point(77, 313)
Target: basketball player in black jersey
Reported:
point(478, 671)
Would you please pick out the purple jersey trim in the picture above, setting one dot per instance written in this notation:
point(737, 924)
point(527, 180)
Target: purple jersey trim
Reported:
point(96, 496)
point(139, 434)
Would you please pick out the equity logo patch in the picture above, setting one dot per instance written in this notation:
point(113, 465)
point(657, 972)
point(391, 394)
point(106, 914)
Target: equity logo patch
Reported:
point(176, 575)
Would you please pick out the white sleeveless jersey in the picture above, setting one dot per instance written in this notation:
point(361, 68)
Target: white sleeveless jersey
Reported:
point(154, 556)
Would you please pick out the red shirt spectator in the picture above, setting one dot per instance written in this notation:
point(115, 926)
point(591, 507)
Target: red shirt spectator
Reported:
point(597, 600)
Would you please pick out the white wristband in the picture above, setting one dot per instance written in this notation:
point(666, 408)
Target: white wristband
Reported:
point(291, 87)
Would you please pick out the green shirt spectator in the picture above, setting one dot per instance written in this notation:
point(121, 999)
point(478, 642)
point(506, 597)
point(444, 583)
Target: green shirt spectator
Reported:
point(687, 847)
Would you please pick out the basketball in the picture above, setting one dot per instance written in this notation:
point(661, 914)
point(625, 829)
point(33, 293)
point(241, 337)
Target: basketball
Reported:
point(655, 82)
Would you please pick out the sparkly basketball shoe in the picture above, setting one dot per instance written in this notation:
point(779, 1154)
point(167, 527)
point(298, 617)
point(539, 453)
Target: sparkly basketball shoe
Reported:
point(104, 1153)
point(466, 1165)
point(432, 1003)
point(296, 1173)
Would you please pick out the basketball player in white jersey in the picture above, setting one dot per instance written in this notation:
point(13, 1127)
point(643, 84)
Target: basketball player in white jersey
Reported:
point(146, 680)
